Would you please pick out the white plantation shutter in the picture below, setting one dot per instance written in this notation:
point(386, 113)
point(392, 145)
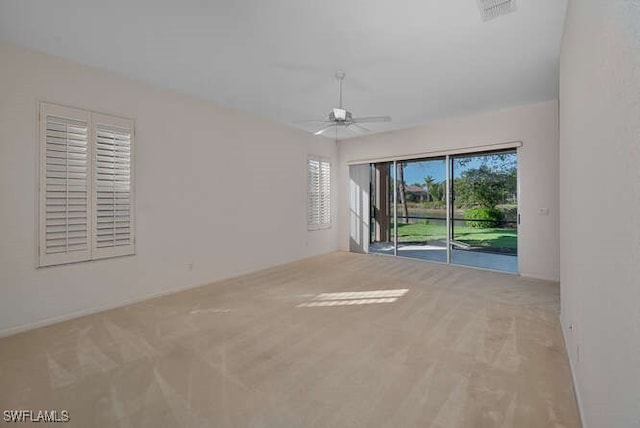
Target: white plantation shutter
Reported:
point(64, 186)
point(325, 193)
point(86, 192)
point(319, 193)
point(113, 195)
point(313, 180)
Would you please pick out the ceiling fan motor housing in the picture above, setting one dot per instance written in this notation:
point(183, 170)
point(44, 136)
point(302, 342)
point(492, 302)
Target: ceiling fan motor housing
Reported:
point(340, 115)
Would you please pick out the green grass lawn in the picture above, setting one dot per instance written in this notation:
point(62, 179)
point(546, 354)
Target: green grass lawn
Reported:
point(490, 238)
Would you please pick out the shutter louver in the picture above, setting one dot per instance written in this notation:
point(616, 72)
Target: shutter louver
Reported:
point(319, 194)
point(313, 213)
point(64, 186)
point(113, 234)
point(325, 193)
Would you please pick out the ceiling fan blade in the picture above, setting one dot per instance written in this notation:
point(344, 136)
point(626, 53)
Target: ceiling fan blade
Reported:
point(371, 119)
point(311, 121)
point(323, 130)
point(360, 129)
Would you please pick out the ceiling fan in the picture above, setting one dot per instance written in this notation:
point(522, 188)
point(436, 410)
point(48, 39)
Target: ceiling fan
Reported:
point(340, 117)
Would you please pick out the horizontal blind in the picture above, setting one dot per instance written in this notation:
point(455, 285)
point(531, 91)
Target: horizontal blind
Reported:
point(113, 234)
point(64, 186)
point(319, 193)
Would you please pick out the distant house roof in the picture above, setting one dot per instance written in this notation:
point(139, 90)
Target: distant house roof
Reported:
point(415, 189)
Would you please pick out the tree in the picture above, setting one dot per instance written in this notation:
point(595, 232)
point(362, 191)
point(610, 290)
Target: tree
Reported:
point(497, 161)
point(403, 191)
point(429, 181)
point(437, 191)
point(485, 187)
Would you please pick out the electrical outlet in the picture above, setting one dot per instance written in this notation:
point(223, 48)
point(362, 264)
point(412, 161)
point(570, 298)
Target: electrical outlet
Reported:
point(543, 211)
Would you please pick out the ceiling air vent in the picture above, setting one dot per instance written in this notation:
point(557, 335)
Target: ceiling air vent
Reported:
point(491, 9)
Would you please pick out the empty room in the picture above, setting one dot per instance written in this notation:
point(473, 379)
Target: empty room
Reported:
point(320, 214)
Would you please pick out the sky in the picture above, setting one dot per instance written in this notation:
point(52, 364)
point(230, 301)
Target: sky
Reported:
point(415, 172)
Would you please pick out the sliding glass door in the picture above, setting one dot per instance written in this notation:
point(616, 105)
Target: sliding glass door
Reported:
point(484, 220)
point(459, 209)
point(422, 209)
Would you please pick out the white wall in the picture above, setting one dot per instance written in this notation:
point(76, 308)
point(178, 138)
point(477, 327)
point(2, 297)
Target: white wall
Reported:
point(217, 188)
point(536, 126)
point(600, 194)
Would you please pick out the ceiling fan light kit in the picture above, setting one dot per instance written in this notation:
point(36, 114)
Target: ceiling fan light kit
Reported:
point(340, 114)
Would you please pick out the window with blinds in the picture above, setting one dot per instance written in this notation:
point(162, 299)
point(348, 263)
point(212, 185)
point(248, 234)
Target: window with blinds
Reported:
point(319, 193)
point(86, 192)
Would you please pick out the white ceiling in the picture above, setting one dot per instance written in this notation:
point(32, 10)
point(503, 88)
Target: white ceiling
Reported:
point(416, 60)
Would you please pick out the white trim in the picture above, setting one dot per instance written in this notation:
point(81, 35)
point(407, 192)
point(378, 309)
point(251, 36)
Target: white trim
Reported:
point(576, 392)
point(94, 310)
point(97, 309)
point(311, 227)
point(442, 152)
point(518, 209)
point(395, 208)
point(541, 277)
point(447, 196)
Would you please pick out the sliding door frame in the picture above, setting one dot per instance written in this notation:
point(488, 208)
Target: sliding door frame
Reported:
point(441, 153)
point(395, 208)
point(449, 197)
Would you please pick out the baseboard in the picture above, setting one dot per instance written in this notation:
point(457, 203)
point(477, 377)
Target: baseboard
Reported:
point(97, 309)
point(576, 393)
point(90, 311)
point(542, 277)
